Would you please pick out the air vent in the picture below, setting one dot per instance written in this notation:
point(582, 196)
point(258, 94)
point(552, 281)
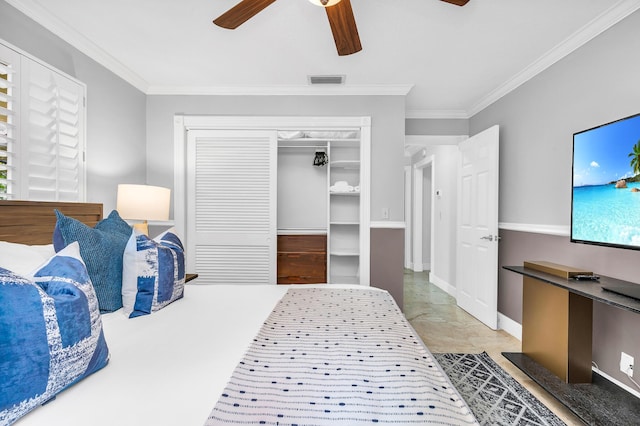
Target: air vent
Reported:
point(326, 79)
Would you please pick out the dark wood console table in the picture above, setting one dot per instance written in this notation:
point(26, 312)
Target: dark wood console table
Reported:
point(556, 341)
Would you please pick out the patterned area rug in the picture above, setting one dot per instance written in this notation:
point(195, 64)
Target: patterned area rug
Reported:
point(494, 396)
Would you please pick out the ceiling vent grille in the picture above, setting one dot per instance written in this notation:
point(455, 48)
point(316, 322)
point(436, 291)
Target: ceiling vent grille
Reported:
point(326, 79)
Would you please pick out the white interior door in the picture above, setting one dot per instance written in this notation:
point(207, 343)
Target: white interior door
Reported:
point(477, 245)
point(232, 201)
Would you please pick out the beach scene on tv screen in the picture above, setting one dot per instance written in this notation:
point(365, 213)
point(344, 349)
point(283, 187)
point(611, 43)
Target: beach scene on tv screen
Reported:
point(606, 184)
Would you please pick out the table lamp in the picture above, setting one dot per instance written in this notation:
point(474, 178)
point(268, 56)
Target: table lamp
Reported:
point(144, 203)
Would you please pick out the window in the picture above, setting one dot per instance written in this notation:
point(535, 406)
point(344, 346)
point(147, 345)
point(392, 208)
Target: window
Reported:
point(42, 141)
point(8, 61)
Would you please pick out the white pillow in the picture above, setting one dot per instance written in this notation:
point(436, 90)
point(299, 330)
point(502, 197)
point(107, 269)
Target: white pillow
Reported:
point(23, 258)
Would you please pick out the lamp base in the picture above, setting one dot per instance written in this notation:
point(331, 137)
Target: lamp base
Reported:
point(142, 227)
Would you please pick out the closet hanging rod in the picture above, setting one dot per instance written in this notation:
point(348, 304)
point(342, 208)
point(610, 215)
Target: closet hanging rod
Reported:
point(303, 146)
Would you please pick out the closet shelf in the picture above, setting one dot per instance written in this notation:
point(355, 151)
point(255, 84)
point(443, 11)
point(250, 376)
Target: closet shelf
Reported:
point(345, 222)
point(316, 140)
point(351, 193)
point(344, 253)
point(346, 164)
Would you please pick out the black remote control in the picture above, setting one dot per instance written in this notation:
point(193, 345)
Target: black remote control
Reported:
point(586, 277)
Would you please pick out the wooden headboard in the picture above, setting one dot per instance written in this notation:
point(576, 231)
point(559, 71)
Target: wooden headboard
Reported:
point(32, 222)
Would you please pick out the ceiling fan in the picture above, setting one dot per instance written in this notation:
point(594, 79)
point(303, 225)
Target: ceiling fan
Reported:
point(339, 12)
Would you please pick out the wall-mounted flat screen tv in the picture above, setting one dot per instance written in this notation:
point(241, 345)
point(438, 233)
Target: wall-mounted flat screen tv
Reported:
point(605, 206)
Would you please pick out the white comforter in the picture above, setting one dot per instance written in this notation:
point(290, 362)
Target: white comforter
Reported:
point(168, 368)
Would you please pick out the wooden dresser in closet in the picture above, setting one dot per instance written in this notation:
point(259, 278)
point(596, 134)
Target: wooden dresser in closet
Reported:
point(302, 259)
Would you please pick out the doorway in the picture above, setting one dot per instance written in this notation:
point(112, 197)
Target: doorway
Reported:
point(431, 206)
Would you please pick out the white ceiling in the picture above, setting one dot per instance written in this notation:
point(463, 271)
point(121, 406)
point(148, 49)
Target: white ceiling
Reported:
point(452, 61)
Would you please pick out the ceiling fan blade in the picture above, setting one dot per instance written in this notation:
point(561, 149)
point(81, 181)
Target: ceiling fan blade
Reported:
point(343, 27)
point(457, 2)
point(241, 13)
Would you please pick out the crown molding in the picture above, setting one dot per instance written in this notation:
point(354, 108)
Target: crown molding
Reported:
point(284, 90)
point(597, 26)
point(77, 40)
point(436, 114)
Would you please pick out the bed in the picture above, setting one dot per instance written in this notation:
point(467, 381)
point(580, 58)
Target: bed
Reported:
point(254, 354)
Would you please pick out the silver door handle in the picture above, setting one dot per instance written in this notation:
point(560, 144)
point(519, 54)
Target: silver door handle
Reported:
point(487, 237)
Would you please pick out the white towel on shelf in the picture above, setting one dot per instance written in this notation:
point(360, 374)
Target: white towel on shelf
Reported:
point(341, 186)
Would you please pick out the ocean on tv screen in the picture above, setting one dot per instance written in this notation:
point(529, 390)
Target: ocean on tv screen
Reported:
point(606, 214)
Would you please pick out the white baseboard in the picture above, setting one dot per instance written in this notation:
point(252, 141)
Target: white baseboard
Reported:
point(510, 326)
point(424, 266)
point(631, 390)
point(442, 284)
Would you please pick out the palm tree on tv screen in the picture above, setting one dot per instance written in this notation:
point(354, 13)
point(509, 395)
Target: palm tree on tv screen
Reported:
point(635, 158)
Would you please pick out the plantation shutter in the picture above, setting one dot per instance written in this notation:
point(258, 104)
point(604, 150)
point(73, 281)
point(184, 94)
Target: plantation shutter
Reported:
point(231, 187)
point(52, 164)
point(9, 93)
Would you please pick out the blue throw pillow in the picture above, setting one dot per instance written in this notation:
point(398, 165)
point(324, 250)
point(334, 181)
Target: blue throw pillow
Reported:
point(50, 333)
point(101, 248)
point(153, 274)
point(115, 224)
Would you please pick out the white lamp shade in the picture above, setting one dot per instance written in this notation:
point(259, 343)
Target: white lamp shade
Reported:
point(143, 202)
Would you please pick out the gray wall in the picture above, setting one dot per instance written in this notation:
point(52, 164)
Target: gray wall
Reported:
point(438, 127)
point(116, 135)
point(596, 84)
point(387, 133)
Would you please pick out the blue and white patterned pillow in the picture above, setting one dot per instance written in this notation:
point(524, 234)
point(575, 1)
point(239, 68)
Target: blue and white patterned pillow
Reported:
point(153, 273)
point(50, 333)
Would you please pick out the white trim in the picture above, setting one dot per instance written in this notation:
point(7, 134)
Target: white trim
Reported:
point(284, 90)
point(365, 197)
point(418, 214)
point(510, 326)
point(179, 174)
point(558, 230)
point(408, 259)
point(442, 284)
point(629, 389)
point(43, 17)
point(191, 122)
point(595, 27)
point(386, 224)
point(436, 114)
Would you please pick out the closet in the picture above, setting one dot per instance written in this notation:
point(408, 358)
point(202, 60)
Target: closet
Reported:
point(274, 199)
point(319, 207)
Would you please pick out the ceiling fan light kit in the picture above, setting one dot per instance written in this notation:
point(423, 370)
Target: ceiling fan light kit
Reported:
point(339, 12)
point(324, 3)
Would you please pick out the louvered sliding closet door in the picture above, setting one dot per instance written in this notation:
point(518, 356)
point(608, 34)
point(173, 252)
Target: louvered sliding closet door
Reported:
point(231, 207)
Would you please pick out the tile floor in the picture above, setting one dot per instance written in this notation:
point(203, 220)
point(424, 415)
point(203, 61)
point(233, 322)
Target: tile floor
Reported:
point(444, 327)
